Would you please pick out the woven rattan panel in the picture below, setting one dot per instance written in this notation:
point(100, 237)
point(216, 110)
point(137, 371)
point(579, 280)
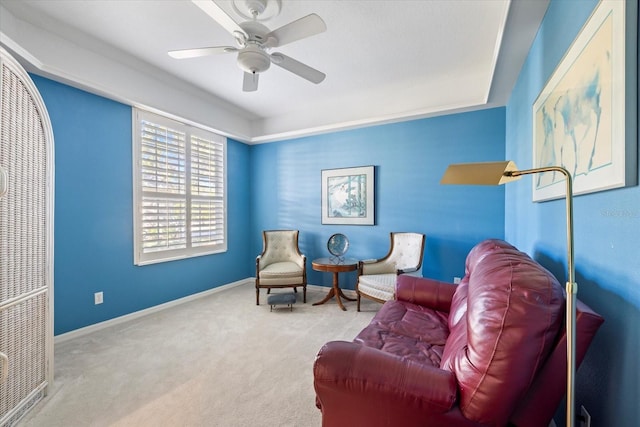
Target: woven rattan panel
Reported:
point(22, 210)
point(25, 347)
point(24, 255)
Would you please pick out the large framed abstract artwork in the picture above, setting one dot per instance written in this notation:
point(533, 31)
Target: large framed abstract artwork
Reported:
point(348, 196)
point(583, 118)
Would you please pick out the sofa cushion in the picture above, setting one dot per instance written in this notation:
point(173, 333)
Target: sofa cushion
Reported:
point(504, 318)
point(410, 331)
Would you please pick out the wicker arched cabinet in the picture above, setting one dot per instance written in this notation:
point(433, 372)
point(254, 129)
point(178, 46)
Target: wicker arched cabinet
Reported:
point(26, 243)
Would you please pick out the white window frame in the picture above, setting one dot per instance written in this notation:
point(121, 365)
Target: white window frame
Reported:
point(142, 257)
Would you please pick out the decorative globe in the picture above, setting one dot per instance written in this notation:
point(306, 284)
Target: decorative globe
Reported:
point(338, 244)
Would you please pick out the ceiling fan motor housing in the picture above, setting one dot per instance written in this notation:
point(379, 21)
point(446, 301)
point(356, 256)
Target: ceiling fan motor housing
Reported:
point(253, 59)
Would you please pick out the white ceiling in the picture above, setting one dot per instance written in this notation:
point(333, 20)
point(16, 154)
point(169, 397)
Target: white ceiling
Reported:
point(384, 60)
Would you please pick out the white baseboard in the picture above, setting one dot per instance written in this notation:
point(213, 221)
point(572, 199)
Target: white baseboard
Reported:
point(135, 315)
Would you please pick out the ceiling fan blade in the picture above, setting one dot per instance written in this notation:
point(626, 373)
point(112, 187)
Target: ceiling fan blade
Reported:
point(250, 82)
point(221, 17)
point(201, 51)
point(308, 26)
point(296, 67)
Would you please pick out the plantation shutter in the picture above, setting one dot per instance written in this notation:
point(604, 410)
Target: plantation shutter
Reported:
point(180, 190)
point(163, 170)
point(207, 192)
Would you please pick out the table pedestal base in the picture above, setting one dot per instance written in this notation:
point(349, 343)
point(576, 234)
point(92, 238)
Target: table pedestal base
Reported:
point(335, 291)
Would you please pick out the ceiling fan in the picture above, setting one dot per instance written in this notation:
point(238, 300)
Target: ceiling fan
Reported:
point(255, 40)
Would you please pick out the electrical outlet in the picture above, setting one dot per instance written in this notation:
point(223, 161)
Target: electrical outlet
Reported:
point(585, 418)
point(456, 280)
point(98, 298)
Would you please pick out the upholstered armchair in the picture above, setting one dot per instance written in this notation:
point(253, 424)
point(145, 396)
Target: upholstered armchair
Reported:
point(377, 278)
point(280, 265)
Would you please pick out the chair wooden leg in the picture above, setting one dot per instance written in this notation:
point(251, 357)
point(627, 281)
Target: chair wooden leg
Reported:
point(304, 294)
point(358, 299)
point(257, 296)
point(295, 290)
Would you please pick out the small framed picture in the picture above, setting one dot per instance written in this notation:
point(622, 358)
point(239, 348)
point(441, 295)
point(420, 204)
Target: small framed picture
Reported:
point(348, 196)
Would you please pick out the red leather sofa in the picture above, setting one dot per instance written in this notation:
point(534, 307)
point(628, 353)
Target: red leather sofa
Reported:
point(490, 351)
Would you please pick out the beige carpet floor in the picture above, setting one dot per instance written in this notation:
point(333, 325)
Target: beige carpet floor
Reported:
point(217, 361)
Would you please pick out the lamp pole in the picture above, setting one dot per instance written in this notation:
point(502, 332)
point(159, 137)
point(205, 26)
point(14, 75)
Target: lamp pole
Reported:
point(571, 286)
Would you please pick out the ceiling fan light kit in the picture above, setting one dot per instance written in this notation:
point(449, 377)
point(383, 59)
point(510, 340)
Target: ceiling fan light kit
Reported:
point(252, 59)
point(254, 39)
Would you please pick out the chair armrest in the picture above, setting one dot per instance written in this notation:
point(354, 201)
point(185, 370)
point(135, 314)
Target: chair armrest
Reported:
point(426, 292)
point(376, 267)
point(349, 374)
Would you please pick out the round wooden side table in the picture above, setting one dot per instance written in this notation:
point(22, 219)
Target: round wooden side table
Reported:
point(335, 266)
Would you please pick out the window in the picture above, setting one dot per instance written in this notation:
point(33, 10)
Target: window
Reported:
point(179, 187)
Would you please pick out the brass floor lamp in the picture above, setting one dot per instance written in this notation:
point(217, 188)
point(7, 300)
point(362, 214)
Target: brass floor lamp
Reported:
point(496, 173)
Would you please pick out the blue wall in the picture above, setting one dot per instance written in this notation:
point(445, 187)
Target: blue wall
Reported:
point(270, 186)
point(607, 232)
point(94, 217)
point(409, 160)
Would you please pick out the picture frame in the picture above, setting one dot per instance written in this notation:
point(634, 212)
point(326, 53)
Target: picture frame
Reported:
point(583, 117)
point(348, 196)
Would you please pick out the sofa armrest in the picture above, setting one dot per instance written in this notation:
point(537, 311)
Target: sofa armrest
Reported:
point(354, 377)
point(425, 292)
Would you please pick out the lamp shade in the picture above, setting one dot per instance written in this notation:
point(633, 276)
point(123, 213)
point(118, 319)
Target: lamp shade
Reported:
point(483, 173)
